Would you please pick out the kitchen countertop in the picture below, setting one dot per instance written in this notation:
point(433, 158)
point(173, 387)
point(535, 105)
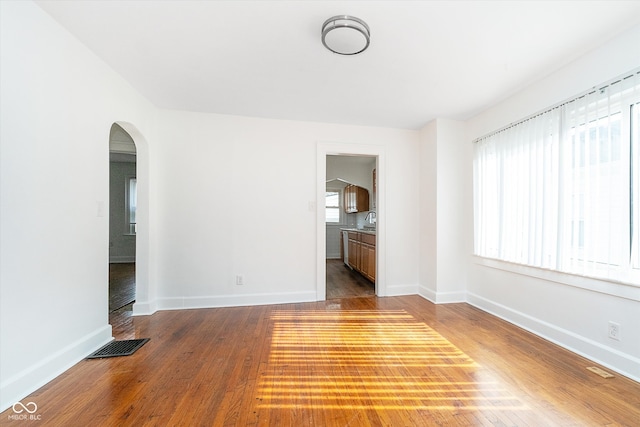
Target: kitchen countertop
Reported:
point(360, 230)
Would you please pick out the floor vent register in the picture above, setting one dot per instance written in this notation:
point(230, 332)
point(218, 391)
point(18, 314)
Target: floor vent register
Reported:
point(118, 348)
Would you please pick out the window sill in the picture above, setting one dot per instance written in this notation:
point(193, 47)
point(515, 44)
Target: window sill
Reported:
point(609, 287)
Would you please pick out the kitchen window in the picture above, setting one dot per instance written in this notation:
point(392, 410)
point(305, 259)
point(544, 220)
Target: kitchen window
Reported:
point(332, 206)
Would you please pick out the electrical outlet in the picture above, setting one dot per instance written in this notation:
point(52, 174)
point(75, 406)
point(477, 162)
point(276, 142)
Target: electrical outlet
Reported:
point(239, 280)
point(614, 331)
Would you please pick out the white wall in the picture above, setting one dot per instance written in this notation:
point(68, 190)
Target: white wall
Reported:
point(445, 210)
point(571, 311)
point(239, 197)
point(353, 169)
point(57, 106)
point(428, 226)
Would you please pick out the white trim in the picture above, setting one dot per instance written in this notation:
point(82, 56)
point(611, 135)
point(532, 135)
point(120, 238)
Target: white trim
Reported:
point(350, 149)
point(427, 294)
point(144, 308)
point(399, 290)
point(23, 383)
point(182, 303)
point(442, 297)
point(145, 292)
point(618, 289)
point(622, 363)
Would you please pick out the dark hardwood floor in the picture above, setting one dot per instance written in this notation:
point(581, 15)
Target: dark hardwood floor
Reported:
point(122, 294)
point(342, 282)
point(122, 285)
point(394, 361)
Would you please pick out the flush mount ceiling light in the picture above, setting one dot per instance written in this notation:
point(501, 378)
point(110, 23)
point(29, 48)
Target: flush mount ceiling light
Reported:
point(345, 35)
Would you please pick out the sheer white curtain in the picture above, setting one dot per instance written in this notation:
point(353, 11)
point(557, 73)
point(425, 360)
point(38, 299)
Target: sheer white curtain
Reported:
point(635, 185)
point(559, 190)
point(516, 187)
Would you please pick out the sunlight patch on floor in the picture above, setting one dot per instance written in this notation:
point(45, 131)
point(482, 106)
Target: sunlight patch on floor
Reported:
point(371, 359)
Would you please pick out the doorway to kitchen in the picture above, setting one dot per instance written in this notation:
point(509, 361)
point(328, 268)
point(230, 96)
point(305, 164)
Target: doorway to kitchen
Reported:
point(351, 221)
point(350, 218)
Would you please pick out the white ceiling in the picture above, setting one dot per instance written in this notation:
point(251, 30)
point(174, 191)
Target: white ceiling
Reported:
point(427, 59)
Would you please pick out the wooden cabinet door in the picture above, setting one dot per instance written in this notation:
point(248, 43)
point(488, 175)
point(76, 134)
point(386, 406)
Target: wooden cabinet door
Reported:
point(364, 259)
point(368, 255)
point(361, 199)
point(349, 198)
point(371, 272)
point(353, 253)
point(356, 199)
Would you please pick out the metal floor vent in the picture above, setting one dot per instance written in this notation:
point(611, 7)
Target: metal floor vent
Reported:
point(118, 348)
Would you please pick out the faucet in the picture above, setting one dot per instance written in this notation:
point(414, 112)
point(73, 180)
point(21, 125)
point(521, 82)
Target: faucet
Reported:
point(371, 217)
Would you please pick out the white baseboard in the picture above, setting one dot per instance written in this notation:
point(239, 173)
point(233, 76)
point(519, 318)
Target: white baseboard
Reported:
point(143, 308)
point(23, 383)
point(427, 294)
point(234, 300)
point(442, 297)
point(621, 363)
point(399, 290)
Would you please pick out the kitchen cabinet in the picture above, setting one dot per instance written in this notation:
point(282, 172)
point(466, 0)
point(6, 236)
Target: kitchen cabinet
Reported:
point(362, 253)
point(356, 199)
point(368, 256)
point(354, 250)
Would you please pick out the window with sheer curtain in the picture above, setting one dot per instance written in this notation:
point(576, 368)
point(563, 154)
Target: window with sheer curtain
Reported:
point(561, 189)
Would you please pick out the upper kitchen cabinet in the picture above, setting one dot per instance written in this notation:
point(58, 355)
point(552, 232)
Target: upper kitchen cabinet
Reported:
point(356, 199)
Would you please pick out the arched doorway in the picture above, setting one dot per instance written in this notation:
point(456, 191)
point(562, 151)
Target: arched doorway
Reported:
point(144, 295)
point(122, 226)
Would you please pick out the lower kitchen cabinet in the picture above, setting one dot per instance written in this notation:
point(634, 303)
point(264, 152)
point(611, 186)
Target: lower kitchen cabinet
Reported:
point(368, 256)
point(362, 254)
point(354, 251)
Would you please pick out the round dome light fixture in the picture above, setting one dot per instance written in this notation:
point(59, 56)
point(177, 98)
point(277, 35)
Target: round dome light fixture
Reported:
point(345, 35)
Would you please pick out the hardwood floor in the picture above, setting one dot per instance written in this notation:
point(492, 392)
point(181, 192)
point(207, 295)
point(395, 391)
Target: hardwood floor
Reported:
point(395, 361)
point(122, 285)
point(342, 282)
point(122, 294)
